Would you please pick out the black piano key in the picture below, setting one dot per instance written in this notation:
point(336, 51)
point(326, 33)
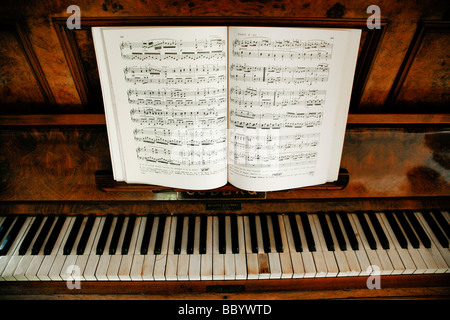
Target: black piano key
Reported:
point(222, 236)
point(160, 234)
point(337, 231)
point(73, 234)
point(326, 231)
point(253, 237)
point(349, 231)
point(116, 234)
point(191, 235)
point(295, 233)
point(407, 228)
point(397, 230)
point(147, 233)
point(367, 231)
point(178, 234)
point(6, 225)
point(128, 234)
point(203, 234)
point(234, 234)
point(11, 235)
point(36, 247)
point(435, 229)
point(51, 241)
point(277, 232)
point(441, 221)
point(308, 233)
point(418, 228)
point(378, 230)
point(104, 235)
point(86, 233)
point(265, 233)
point(30, 235)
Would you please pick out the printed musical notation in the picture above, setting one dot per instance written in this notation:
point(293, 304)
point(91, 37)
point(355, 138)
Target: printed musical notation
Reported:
point(276, 160)
point(181, 137)
point(279, 74)
point(252, 97)
point(197, 74)
point(294, 49)
point(182, 156)
point(170, 49)
point(209, 117)
point(273, 150)
point(178, 97)
point(250, 120)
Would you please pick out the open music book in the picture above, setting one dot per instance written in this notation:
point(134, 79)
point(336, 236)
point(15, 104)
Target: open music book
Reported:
point(263, 108)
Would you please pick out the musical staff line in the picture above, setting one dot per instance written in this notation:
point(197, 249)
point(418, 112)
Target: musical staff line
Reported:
point(294, 49)
point(170, 49)
point(279, 74)
point(252, 97)
point(198, 74)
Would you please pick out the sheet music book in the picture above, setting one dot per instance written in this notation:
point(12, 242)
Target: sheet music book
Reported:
point(263, 108)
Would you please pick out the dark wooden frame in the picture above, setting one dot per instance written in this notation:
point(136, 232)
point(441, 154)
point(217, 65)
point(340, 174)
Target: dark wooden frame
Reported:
point(424, 27)
point(363, 68)
point(33, 62)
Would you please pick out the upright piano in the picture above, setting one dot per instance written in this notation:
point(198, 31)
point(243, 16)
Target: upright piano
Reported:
point(68, 229)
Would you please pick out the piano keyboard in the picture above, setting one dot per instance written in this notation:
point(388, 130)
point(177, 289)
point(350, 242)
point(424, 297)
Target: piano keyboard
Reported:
point(223, 247)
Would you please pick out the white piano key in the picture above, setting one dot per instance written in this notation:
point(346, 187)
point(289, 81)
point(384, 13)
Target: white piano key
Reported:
point(361, 253)
point(263, 258)
point(195, 259)
point(350, 254)
point(93, 259)
point(434, 252)
point(27, 258)
point(127, 260)
point(328, 265)
point(105, 258)
point(148, 265)
point(307, 256)
point(112, 273)
point(240, 258)
point(71, 258)
point(298, 270)
point(287, 270)
point(273, 255)
point(251, 258)
point(138, 258)
point(218, 259)
point(386, 266)
point(58, 262)
point(172, 259)
point(12, 257)
point(82, 260)
point(229, 261)
point(404, 255)
point(340, 256)
point(372, 256)
point(421, 257)
point(392, 252)
point(445, 252)
point(183, 257)
point(161, 259)
point(206, 264)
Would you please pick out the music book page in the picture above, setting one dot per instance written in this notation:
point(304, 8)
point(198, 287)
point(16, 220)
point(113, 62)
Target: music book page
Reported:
point(289, 93)
point(196, 107)
point(168, 116)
